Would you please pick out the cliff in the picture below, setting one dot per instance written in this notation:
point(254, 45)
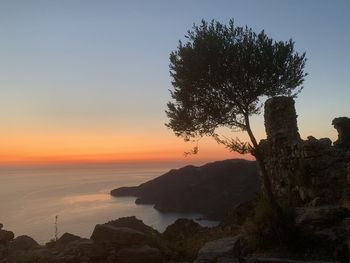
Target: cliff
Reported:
point(213, 189)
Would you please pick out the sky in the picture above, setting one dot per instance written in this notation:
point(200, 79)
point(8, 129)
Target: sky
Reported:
point(88, 81)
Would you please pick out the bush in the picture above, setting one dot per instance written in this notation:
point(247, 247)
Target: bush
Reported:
point(189, 237)
point(268, 229)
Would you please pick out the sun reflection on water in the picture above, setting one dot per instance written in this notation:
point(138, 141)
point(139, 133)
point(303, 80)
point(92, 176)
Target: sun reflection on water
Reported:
point(86, 198)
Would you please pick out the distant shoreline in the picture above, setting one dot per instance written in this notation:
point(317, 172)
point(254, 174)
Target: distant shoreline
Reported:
point(211, 190)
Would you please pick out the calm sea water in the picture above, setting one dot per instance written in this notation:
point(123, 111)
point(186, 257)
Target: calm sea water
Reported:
point(31, 197)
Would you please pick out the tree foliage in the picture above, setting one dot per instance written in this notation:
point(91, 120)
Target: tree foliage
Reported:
point(221, 73)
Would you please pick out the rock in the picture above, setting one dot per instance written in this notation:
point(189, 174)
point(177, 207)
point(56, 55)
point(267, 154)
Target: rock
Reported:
point(43, 254)
point(240, 213)
point(307, 169)
point(144, 254)
point(65, 239)
point(24, 243)
point(133, 223)
point(1, 226)
point(108, 234)
point(326, 142)
point(220, 248)
point(281, 119)
point(6, 236)
point(315, 202)
point(342, 125)
point(181, 229)
point(85, 248)
point(81, 250)
point(282, 260)
point(322, 216)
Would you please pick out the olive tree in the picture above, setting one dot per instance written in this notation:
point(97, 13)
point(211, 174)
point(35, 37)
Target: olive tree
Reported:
point(220, 77)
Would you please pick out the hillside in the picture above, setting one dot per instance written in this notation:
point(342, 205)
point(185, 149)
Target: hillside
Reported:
point(213, 189)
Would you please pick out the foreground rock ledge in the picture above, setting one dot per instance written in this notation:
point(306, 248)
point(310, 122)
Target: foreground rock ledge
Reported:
point(122, 236)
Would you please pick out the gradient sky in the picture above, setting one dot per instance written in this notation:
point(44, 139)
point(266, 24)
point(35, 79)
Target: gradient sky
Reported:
point(88, 80)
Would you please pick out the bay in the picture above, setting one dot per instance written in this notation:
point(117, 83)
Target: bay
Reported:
point(32, 196)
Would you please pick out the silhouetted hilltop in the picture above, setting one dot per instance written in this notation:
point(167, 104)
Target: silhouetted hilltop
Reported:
point(213, 189)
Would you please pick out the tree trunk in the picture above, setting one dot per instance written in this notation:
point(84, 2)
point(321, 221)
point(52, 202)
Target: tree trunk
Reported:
point(265, 175)
point(272, 200)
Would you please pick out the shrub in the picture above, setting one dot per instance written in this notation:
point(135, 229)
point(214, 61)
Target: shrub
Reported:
point(268, 229)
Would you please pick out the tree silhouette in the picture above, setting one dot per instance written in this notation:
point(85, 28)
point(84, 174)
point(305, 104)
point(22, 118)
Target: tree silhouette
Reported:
point(220, 77)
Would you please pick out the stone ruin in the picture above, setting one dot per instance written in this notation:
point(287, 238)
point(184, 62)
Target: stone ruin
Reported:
point(316, 171)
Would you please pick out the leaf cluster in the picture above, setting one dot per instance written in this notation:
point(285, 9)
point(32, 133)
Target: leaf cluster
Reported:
point(220, 74)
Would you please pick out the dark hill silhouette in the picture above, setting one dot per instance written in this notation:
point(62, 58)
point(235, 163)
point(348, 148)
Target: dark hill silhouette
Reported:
point(213, 189)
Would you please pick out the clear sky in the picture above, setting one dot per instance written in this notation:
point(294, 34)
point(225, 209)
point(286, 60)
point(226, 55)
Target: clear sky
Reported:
point(88, 80)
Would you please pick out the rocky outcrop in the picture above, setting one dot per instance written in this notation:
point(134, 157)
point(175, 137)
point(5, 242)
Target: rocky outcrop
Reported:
point(66, 239)
point(5, 236)
point(219, 250)
point(133, 223)
point(342, 125)
point(326, 229)
point(23, 243)
point(181, 229)
point(115, 241)
point(321, 217)
point(314, 170)
point(213, 189)
point(125, 232)
point(118, 236)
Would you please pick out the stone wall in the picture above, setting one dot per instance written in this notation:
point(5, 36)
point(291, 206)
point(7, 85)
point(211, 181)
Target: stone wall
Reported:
point(315, 170)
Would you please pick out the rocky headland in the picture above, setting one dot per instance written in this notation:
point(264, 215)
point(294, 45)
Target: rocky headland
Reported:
point(214, 189)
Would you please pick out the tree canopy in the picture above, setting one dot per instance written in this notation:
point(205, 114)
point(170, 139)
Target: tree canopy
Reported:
point(221, 73)
point(220, 76)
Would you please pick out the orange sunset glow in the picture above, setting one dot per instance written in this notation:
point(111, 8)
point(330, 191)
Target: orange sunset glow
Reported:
point(80, 148)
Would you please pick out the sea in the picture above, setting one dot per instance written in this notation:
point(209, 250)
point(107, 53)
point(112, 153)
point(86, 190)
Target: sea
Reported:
point(32, 196)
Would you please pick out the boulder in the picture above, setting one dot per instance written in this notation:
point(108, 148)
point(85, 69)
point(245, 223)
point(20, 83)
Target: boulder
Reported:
point(123, 236)
point(133, 223)
point(6, 236)
point(181, 229)
point(212, 251)
point(1, 226)
point(144, 254)
point(24, 243)
point(65, 239)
